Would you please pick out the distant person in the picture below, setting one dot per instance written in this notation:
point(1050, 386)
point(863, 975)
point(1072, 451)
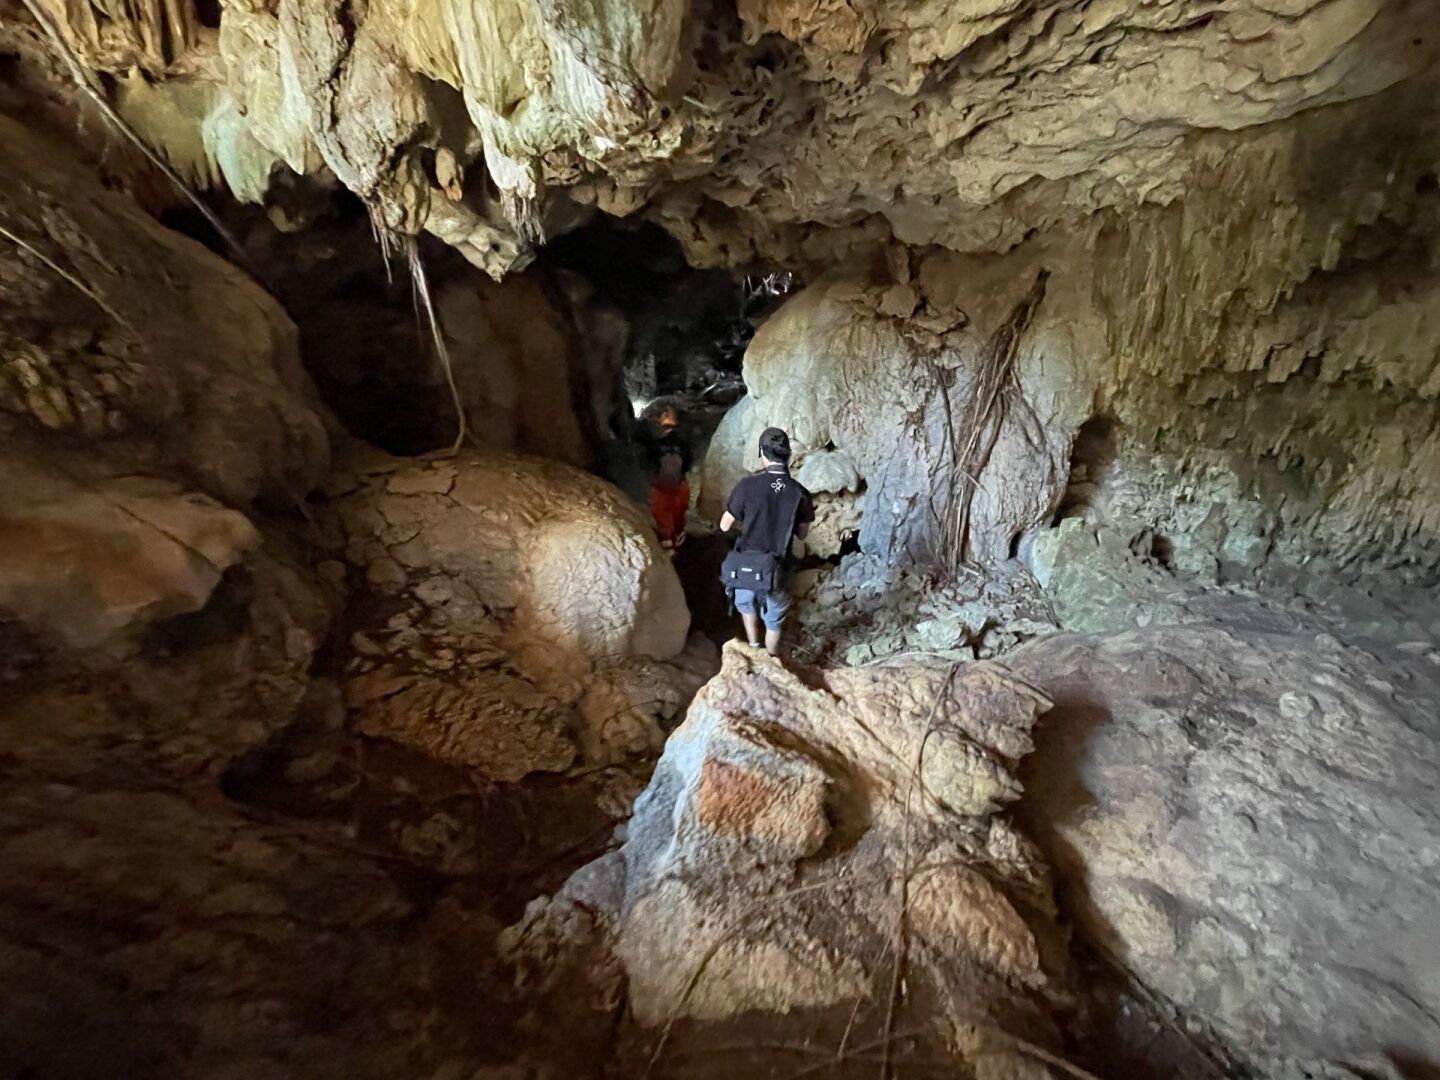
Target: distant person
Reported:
point(772, 509)
point(669, 460)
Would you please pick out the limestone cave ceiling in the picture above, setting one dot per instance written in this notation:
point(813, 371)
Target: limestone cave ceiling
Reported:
point(793, 131)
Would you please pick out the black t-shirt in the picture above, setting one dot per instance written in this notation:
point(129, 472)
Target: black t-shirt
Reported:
point(762, 503)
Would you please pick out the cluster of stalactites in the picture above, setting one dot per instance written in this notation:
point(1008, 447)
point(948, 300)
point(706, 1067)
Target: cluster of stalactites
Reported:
point(797, 135)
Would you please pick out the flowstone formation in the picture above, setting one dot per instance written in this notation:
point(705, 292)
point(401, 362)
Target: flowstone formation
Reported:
point(781, 131)
point(819, 862)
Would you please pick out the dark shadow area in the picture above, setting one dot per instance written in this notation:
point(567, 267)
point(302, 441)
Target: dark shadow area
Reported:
point(362, 335)
point(698, 564)
point(225, 615)
point(1413, 1068)
point(688, 328)
point(1096, 446)
point(429, 824)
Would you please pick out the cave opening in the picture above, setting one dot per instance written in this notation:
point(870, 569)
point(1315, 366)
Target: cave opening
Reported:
point(1093, 452)
point(614, 302)
point(689, 327)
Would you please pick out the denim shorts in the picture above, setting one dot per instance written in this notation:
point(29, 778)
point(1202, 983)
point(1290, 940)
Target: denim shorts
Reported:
point(771, 607)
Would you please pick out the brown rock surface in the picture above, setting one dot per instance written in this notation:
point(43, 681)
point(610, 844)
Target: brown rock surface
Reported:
point(516, 615)
point(512, 360)
point(120, 332)
point(84, 561)
point(206, 869)
point(762, 872)
point(561, 555)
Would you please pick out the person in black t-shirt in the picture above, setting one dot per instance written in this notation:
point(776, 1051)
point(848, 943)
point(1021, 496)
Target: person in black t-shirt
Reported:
point(772, 510)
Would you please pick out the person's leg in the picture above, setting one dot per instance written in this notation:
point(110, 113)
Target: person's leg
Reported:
point(752, 630)
point(777, 605)
point(745, 604)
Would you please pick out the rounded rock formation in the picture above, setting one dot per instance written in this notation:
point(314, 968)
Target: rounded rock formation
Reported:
point(562, 559)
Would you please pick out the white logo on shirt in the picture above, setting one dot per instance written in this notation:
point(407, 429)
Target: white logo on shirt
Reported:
point(778, 486)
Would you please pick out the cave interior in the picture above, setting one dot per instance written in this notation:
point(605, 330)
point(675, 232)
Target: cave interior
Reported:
point(359, 716)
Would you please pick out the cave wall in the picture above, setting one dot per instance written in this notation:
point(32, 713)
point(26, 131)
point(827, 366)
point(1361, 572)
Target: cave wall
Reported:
point(100, 342)
point(526, 376)
point(867, 393)
point(153, 630)
point(515, 360)
point(214, 859)
point(1265, 367)
point(1208, 189)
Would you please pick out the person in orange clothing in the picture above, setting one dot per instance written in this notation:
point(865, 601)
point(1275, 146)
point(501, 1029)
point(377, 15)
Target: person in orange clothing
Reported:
point(669, 490)
point(669, 503)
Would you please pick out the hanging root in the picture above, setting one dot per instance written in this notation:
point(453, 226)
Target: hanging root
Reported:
point(995, 385)
point(420, 284)
point(384, 239)
point(82, 77)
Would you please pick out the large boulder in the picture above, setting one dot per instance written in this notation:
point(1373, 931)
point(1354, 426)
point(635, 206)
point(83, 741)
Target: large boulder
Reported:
point(513, 614)
point(878, 398)
point(1248, 823)
point(567, 560)
point(792, 838)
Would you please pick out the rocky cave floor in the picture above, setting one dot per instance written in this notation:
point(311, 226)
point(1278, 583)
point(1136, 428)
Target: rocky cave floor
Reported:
point(451, 841)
